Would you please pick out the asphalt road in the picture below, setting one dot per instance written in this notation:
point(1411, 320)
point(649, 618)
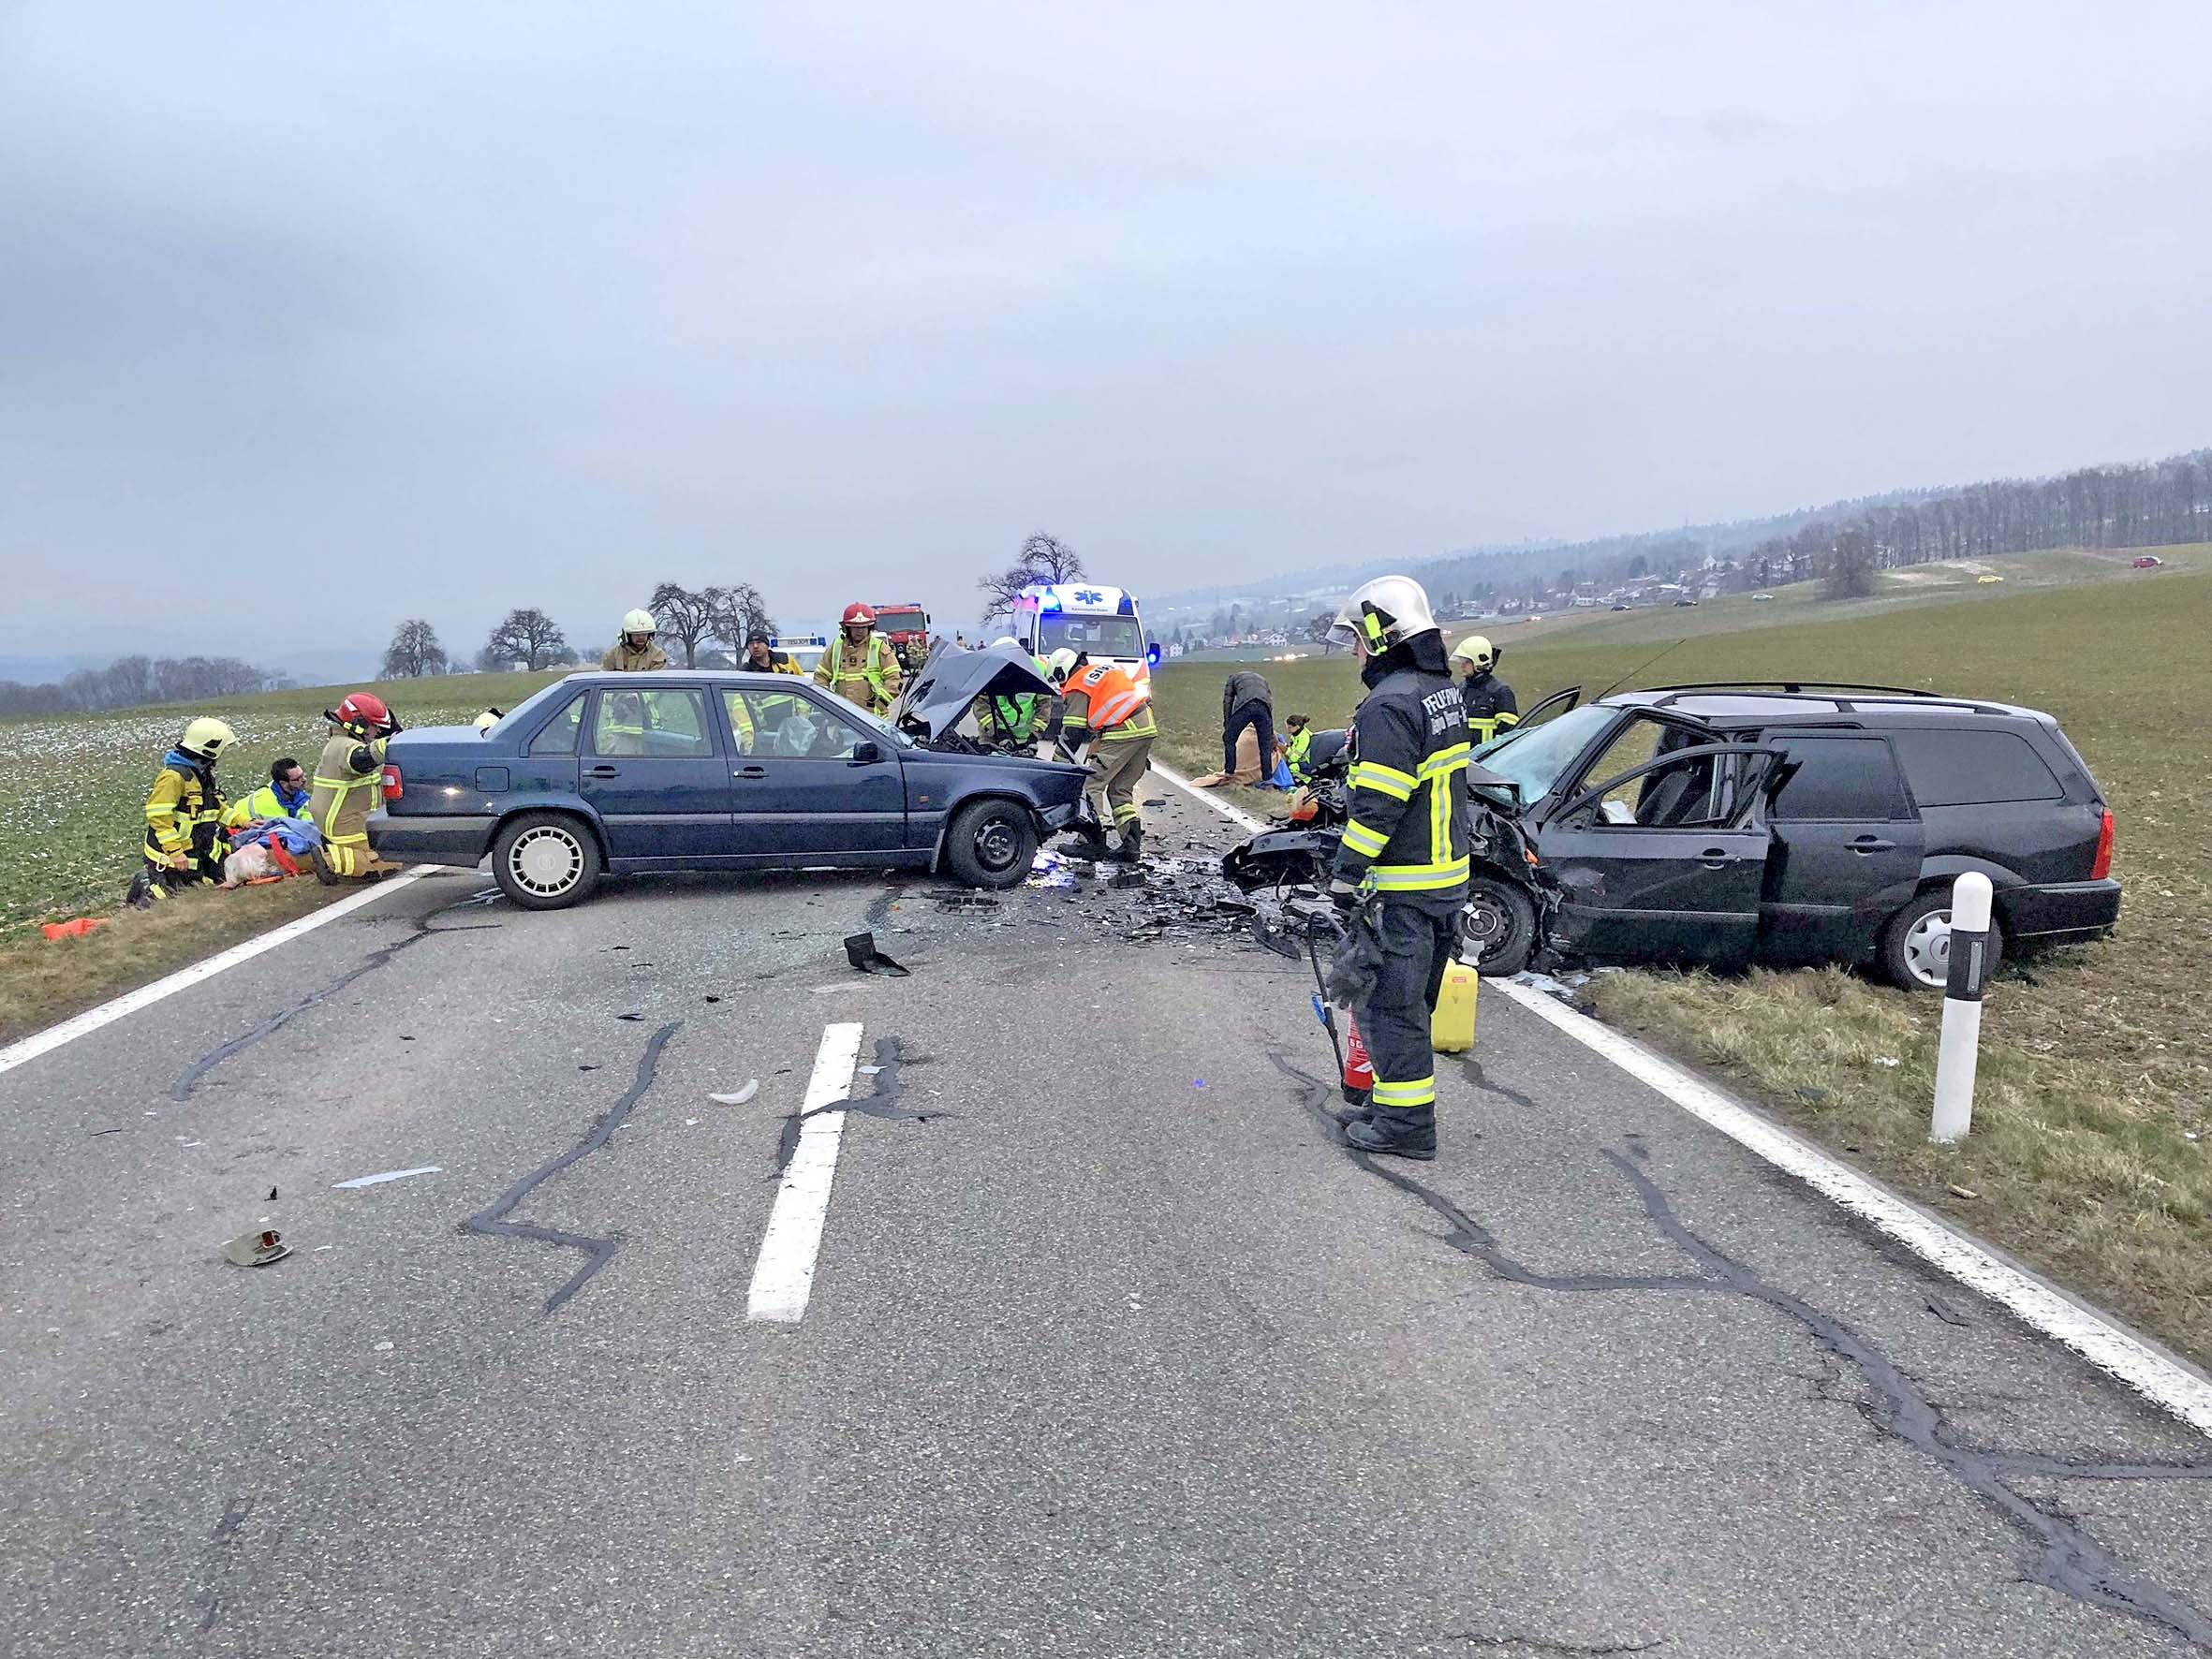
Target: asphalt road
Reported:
point(1111, 1348)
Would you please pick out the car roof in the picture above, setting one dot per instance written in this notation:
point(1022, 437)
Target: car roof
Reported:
point(1772, 703)
point(669, 676)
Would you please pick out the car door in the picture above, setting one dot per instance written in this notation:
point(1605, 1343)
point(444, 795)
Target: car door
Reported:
point(808, 783)
point(1663, 862)
point(1847, 846)
point(654, 770)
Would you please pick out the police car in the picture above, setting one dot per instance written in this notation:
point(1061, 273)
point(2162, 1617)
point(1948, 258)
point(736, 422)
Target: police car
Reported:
point(1087, 617)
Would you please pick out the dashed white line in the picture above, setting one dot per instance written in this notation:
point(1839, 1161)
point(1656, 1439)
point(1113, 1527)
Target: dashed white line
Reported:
point(783, 1276)
point(2165, 1381)
point(68, 1031)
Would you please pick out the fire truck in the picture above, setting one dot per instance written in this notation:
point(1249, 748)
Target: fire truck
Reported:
point(906, 626)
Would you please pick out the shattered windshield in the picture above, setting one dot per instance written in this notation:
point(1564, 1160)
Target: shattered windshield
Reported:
point(1533, 757)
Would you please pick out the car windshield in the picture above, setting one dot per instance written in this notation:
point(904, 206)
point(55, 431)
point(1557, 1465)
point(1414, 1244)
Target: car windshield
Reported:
point(1533, 757)
point(532, 704)
point(1101, 635)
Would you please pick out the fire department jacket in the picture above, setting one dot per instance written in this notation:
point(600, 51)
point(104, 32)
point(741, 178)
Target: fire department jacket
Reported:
point(1407, 834)
point(1491, 706)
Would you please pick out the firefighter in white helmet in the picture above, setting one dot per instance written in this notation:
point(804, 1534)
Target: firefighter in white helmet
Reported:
point(635, 653)
point(1491, 706)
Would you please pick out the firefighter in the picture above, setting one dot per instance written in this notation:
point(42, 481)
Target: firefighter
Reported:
point(1298, 751)
point(1491, 706)
point(348, 778)
point(635, 653)
point(758, 716)
point(1401, 873)
point(860, 665)
point(284, 795)
point(1012, 721)
point(1103, 703)
point(185, 841)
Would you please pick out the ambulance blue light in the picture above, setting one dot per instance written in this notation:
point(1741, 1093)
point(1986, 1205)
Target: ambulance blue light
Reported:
point(1151, 654)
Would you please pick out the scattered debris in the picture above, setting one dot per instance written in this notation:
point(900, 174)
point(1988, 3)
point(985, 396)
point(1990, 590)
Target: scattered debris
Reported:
point(738, 1097)
point(1810, 1092)
point(74, 928)
point(271, 1197)
point(630, 1016)
point(257, 1249)
point(689, 1122)
point(1943, 1311)
point(714, 999)
point(1889, 1060)
point(381, 1180)
point(97, 1133)
point(383, 1347)
point(1131, 877)
point(860, 951)
point(1962, 1192)
point(594, 1066)
point(1197, 1082)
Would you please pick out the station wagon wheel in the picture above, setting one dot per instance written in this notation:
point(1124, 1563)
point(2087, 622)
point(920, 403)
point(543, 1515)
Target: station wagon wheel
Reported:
point(1497, 929)
point(991, 843)
point(545, 861)
point(1916, 945)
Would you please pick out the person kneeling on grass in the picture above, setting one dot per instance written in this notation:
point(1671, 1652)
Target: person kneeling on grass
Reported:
point(184, 840)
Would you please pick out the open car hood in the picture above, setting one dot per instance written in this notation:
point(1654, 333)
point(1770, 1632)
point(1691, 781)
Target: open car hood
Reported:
point(950, 680)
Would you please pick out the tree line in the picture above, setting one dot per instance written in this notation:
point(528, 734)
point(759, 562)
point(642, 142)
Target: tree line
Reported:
point(130, 681)
point(691, 623)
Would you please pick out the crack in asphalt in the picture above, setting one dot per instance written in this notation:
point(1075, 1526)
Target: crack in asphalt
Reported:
point(491, 1220)
point(879, 1102)
point(1542, 1645)
point(189, 1078)
point(2069, 1559)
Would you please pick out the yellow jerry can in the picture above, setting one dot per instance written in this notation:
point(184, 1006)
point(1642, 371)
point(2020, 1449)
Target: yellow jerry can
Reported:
point(1451, 1027)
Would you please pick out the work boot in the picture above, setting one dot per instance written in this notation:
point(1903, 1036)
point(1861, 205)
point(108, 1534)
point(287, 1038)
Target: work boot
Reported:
point(1133, 844)
point(1394, 1134)
point(323, 873)
point(1346, 1116)
point(142, 894)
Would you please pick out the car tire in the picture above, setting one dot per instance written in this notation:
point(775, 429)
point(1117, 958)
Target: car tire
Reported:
point(545, 861)
point(991, 843)
point(1916, 944)
point(1499, 925)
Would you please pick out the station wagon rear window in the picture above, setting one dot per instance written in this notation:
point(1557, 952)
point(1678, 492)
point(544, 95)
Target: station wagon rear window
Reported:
point(1974, 768)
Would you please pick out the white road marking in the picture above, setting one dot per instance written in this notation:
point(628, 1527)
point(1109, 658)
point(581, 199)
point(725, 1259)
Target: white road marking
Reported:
point(2158, 1377)
point(68, 1031)
point(783, 1276)
point(387, 1175)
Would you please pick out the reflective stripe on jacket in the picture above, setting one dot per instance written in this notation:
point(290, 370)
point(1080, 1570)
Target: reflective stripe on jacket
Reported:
point(184, 809)
point(264, 803)
point(878, 670)
point(1491, 706)
point(1407, 833)
point(1299, 752)
point(348, 776)
point(1103, 699)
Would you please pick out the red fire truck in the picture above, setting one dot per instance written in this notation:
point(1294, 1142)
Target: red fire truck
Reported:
point(906, 626)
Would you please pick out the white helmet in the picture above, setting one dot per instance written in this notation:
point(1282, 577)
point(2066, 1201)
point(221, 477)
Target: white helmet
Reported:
point(1058, 666)
point(487, 720)
point(639, 622)
point(1005, 640)
point(1477, 651)
point(1387, 611)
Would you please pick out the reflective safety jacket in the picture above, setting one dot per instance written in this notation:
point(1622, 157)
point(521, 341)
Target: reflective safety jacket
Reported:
point(773, 709)
point(1299, 752)
point(184, 809)
point(348, 776)
point(869, 679)
point(1104, 699)
point(1491, 706)
point(267, 804)
point(778, 663)
point(621, 659)
point(1407, 838)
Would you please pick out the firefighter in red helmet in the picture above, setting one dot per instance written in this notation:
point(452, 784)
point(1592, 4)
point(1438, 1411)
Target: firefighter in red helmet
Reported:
point(348, 776)
point(860, 665)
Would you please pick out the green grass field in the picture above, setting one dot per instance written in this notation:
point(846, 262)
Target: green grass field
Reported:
point(2092, 1149)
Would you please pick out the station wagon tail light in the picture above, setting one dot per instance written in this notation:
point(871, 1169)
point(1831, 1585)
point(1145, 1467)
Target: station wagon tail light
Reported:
point(392, 786)
point(2103, 866)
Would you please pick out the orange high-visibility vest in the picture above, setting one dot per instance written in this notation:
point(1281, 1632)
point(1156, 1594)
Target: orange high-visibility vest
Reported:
point(1102, 697)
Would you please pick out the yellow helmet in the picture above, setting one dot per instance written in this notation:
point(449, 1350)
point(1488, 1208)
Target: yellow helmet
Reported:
point(207, 738)
point(639, 622)
point(1477, 651)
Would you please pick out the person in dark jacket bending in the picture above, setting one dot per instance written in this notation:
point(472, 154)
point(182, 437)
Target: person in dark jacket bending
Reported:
point(1246, 701)
point(1401, 873)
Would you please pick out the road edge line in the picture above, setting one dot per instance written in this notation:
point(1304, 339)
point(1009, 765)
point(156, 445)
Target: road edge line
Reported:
point(2164, 1379)
point(25, 1050)
point(783, 1272)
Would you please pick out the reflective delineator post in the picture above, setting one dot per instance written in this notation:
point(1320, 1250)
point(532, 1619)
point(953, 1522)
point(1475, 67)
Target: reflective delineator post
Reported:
point(1959, 1046)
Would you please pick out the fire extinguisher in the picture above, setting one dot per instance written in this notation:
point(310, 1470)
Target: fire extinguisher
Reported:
point(1358, 1082)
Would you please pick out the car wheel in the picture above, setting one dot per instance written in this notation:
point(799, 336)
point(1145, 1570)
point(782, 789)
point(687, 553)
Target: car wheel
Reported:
point(545, 861)
point(1499, 927)
point(991, 843)
point(1916, 944)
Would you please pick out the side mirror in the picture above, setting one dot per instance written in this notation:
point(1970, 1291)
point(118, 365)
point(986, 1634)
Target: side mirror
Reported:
point(865, 754)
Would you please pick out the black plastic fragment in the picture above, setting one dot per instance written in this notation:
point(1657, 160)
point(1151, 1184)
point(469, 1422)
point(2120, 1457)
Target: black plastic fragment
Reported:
point(860, 951)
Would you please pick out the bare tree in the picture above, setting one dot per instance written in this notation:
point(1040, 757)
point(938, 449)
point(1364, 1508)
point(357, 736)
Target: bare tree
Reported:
point(1317, 628)
point(738, 610)
point(1848, 571)
point(528, 636)
point(414, 651)
point(1042, 559)
point(684, 616)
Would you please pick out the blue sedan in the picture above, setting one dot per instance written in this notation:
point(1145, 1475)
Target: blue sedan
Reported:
point(604, 773)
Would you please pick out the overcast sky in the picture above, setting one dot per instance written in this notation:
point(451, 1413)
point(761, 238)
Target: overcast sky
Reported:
point(315, 317)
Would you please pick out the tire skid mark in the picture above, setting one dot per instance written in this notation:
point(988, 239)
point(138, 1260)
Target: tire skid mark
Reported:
point(491, 1220)
point(2068, 1560)
point(189, 1080)
point(879, 1102)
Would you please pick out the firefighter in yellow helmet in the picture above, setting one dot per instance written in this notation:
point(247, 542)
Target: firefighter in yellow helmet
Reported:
point(635, 653)
point(184, 840)
point(349, 783)
point(860, 665)
point(1491, 706)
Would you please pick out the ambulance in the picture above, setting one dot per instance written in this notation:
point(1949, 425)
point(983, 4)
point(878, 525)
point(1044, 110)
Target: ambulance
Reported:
point(1086, 617)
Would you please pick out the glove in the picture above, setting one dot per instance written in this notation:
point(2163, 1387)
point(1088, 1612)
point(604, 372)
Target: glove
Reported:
point(1348, 980)
point(1345, 895)
point(394, 728)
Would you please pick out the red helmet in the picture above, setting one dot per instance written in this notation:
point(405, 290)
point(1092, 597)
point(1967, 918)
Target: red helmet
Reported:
point(859, 613)
point(366, 708)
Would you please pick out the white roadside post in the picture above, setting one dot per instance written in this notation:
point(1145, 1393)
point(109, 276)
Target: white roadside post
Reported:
point(1959, 1046)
